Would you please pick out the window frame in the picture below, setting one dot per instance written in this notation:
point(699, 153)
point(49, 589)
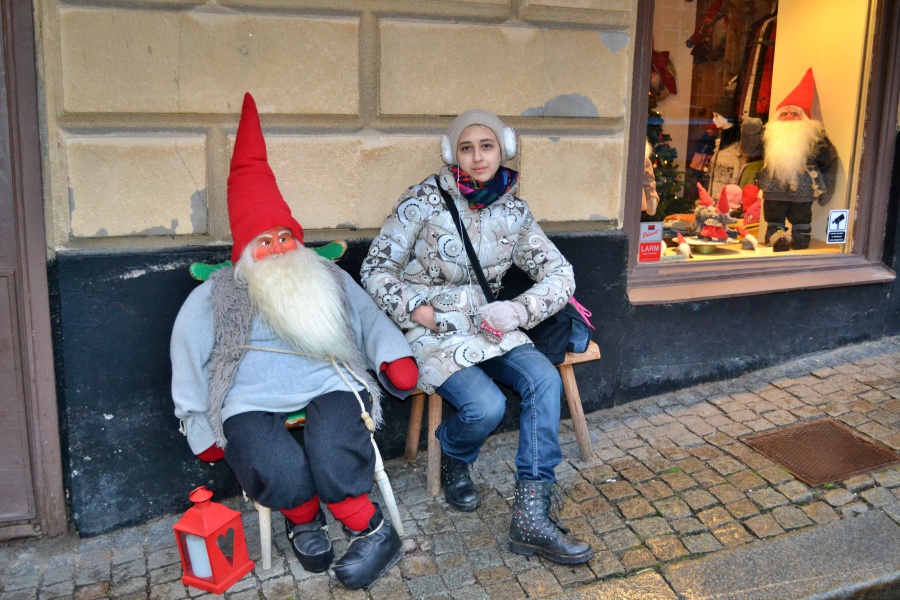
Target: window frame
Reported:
point(658, 283)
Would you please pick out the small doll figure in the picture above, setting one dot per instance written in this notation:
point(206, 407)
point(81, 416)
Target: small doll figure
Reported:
point(734, 194)
point(752, 205)
point(683, 248)
point(714, 226)
point(749, 240)
point(705, 210)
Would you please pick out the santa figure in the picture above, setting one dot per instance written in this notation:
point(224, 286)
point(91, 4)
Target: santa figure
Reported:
point(800, 165)
point(286, 330)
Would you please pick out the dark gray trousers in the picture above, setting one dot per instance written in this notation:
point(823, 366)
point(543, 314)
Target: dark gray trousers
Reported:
point(776, 212)
point(332, 456)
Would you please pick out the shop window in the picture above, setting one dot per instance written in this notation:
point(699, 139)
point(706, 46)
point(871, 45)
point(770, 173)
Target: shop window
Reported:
point(769, 139)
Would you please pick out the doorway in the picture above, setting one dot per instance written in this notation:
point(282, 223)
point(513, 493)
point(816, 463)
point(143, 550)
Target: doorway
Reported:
point(31, 494)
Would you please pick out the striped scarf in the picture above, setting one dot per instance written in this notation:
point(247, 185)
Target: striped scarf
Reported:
point(480, 195)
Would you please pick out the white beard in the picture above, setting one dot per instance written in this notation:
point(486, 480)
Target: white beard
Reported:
point(787, 145)
point(300, 300)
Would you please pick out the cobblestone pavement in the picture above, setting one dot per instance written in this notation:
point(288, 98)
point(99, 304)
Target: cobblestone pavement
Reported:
point(671, 482)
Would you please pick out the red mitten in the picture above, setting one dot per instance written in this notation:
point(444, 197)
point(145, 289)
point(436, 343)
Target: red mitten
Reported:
point(403, 373)
point(212, 454)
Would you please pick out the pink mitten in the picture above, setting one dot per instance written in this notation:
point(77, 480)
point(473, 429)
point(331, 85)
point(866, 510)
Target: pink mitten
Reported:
point(504, 315)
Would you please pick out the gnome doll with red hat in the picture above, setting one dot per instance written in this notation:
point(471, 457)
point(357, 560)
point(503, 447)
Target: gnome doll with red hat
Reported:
point(751, 204)
point(714, 226)
point(748, 240)
point(282, 331)
point(800, 165)
point(705, 210)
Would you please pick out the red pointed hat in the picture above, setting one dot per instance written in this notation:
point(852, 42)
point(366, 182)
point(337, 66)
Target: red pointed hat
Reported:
point(802, 95)
point(723, 207)
point(255, 204)
point(705, 198)
point(750, 196)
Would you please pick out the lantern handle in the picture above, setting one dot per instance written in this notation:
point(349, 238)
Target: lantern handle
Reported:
point(200, 495)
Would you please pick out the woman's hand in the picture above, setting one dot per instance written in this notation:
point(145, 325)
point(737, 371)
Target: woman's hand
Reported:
point(424, 315)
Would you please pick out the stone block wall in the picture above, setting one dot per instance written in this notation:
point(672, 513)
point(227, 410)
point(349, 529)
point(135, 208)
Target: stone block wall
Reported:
point(142, 99)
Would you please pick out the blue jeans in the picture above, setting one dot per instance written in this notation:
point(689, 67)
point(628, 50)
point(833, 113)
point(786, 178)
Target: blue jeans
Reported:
point(481, 405)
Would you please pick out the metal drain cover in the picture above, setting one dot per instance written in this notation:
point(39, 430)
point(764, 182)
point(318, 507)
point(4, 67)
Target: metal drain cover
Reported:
point(821, 451)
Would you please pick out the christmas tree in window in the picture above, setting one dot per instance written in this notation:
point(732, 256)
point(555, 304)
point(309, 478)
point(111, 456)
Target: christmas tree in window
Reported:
point(669, 180)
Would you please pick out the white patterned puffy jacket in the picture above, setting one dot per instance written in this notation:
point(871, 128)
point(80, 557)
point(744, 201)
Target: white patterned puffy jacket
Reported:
point(419, 258)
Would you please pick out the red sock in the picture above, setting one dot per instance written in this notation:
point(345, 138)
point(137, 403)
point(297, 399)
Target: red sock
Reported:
point(304, 513)
point(355, 513)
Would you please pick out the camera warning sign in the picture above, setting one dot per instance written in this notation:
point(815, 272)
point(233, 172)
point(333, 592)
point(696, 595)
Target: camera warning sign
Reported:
point(837, 226)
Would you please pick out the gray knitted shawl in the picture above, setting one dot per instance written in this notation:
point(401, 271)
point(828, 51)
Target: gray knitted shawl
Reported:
point(232, 316)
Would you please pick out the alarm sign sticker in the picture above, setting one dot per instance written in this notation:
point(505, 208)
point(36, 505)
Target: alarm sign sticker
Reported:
point(837, 226)
point(650, 247)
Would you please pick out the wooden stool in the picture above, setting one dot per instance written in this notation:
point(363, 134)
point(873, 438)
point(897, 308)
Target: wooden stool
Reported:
point(435, 410)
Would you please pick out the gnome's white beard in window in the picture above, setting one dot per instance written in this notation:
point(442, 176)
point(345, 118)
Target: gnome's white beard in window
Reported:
point(787, 145)
point(299, 299)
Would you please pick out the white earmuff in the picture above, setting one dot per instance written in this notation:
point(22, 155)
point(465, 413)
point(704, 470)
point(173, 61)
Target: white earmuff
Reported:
point(446, 150)
point(509, 142)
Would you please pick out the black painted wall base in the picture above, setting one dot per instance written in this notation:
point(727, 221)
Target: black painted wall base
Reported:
point(126, 462)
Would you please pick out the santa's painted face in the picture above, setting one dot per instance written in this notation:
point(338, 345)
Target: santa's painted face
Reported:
point(299, 299)
point(272, 242)
point(790, 113)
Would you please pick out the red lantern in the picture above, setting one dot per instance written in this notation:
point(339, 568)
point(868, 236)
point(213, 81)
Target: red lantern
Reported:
point(211, 543)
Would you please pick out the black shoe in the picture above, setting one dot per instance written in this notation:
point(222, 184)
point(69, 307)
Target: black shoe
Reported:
point(459, 491)
point(534, 530)
point(372, 552)
point(311, 544)
point(800, 236)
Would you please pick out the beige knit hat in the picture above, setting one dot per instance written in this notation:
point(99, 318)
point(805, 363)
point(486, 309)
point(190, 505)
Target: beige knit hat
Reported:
point(505, 135)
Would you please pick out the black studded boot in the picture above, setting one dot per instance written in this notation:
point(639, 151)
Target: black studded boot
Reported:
point(534, 530)
point(310, 543)
point(372, 552)
point(459, 491)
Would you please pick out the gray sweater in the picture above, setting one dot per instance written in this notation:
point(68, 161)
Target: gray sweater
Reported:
point(269, 381)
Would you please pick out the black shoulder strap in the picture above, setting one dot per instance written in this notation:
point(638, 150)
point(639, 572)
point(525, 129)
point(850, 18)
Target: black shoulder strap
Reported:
point(470, 251)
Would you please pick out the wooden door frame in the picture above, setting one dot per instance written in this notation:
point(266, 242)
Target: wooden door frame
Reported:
point(33, 297)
